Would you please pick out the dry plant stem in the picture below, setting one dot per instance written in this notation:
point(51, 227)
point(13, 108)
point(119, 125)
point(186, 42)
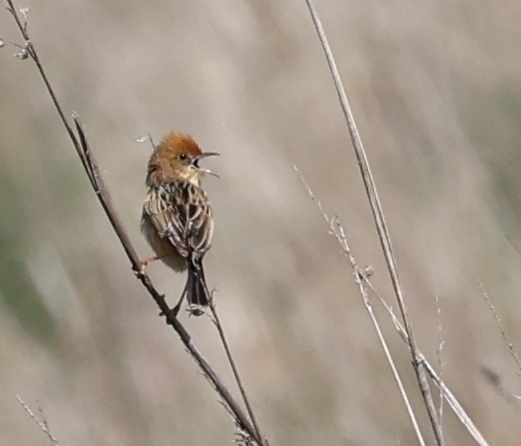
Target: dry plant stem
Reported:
point(359, 278)
point(381, 226)
point(510, 345)
point(235, 371)
point(91, 168)
point(439, 354)
point(453, 401)
point(34, 56)
point(388, 355)
point(42, 423)
point(337, 231)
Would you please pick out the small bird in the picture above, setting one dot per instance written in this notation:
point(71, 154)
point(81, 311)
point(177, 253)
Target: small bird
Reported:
point(177, 218)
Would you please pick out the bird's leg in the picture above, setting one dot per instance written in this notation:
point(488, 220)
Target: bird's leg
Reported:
point(175, 310)
point(144, 263)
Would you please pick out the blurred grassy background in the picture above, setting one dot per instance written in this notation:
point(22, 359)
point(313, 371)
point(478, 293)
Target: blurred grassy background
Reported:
point(437, 93)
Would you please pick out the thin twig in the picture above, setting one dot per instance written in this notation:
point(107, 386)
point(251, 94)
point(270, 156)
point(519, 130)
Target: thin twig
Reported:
point(453, 401)
point(92, 170)
point(337, 231)
point(42, 423)
point(361, 275)
point(504, 333)
point(379, 220)
point(34, 56)
point(439, 354)
point(235, 371)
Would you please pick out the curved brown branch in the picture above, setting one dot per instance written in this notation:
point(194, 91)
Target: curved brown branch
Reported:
point(106, 202)
point(89, 163)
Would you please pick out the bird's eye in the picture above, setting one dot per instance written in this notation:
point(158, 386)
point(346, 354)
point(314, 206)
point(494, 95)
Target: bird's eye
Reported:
point(183, 157)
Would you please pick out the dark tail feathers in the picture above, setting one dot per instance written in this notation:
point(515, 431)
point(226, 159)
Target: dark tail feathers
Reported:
point(196, 288)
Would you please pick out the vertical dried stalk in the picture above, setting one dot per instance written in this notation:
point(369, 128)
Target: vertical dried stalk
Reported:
point(381, 226)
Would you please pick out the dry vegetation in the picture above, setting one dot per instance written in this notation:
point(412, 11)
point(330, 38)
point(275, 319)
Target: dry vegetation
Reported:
point(436, 94)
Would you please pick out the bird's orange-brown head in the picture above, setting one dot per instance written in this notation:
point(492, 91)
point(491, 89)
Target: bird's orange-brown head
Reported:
point(176, 158)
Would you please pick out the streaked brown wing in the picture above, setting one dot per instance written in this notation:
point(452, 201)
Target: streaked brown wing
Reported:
point(181, 213)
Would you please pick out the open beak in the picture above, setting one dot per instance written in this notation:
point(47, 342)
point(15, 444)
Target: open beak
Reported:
point(205, 155)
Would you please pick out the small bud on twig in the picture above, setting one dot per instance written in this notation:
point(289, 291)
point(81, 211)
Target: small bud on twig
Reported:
point(23, 53)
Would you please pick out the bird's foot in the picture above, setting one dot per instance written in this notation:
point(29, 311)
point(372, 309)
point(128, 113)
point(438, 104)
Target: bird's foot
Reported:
point(195, 310)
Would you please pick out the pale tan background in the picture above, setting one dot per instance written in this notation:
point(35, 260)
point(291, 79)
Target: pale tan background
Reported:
point(436, 89)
